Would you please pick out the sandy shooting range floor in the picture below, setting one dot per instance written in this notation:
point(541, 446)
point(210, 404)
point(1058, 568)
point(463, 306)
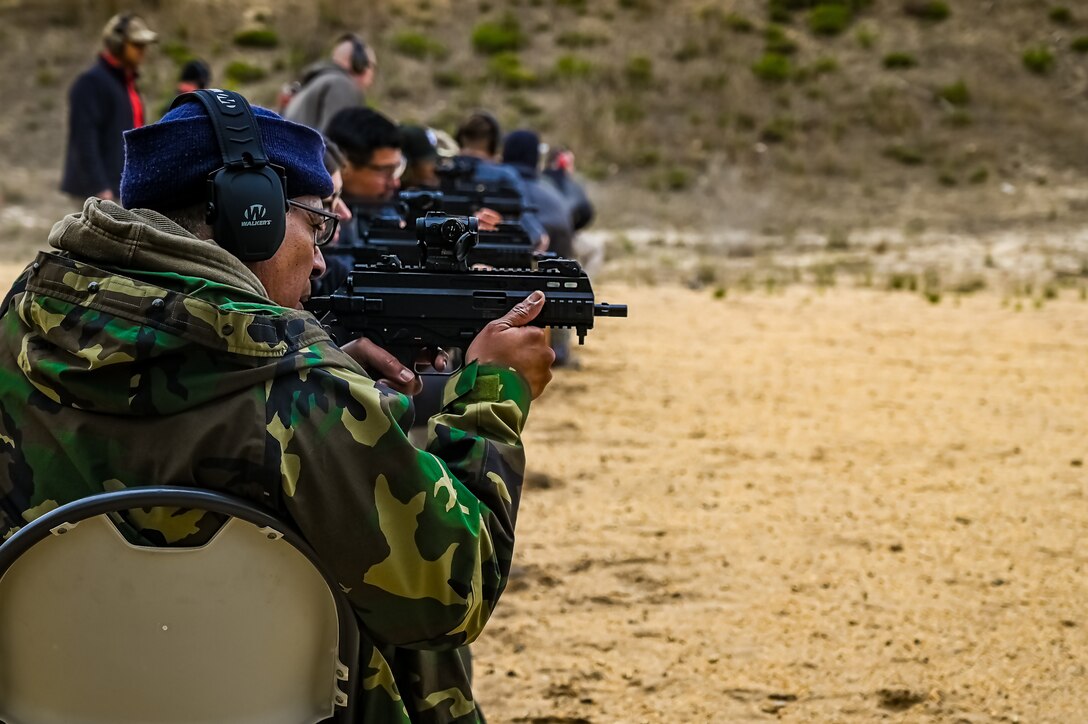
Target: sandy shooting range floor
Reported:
point(812, 506)
point(839, 506)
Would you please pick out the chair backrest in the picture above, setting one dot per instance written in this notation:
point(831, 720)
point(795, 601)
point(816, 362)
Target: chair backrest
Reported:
point(246, 628)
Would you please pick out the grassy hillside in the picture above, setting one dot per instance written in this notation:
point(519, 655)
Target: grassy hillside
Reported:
point(769, 115)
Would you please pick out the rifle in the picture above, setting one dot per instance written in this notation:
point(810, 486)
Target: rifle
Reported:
point(443, 302)
point(380, 233)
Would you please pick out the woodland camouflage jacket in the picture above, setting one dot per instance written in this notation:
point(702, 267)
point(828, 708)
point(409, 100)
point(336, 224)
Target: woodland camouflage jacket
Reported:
point(136, 354)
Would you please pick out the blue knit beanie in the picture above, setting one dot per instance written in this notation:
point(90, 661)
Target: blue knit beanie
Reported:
point(167, 163)
point(522, 149)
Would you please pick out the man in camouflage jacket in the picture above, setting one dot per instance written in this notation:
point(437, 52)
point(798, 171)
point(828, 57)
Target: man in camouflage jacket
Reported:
point(139, 353)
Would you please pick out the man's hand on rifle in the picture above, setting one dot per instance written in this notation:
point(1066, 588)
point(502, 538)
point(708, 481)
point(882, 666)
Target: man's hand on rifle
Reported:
point(384, 367)
point(489, 219)
point(509, 341)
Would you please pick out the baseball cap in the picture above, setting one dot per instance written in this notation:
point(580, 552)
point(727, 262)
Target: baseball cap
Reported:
point(129, 27)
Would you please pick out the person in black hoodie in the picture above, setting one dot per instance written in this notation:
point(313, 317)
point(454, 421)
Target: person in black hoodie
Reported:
point(103, 103)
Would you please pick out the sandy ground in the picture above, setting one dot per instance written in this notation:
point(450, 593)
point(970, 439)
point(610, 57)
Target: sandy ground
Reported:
point(818, 506)
point(838, 506)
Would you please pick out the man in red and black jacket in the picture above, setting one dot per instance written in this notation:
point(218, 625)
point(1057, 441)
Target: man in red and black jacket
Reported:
point(103, 104)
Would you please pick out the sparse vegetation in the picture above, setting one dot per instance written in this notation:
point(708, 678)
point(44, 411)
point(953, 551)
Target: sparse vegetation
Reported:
point(1080, 44)
point(628, 111)
point(418, 45)
point(177, 51)
point(503, 36)
point(932, 11)
point(955, 94)
point(897, 61)
point(1060, 15)
point(257, 38)
point(575, 39)
point(830, 18)
point(639, 71)
point(239, 72)
point(1038, 60)
point(778, 42)
point(739, 23)
point(506, 70)
point(773, 68)
point(447, 78)
point(778, 130)
point(906, 155)
point(572, 66)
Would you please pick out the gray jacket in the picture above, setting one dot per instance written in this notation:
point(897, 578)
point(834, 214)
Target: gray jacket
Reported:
point(326, 89)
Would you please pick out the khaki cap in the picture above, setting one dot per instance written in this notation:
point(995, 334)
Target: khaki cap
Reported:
point(129, 27)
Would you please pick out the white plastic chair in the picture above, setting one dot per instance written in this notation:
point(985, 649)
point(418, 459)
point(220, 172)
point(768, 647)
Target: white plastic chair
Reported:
point(93, 629)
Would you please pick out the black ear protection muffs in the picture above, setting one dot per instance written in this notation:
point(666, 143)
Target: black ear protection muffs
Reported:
point(360, 60)
point(247, 197)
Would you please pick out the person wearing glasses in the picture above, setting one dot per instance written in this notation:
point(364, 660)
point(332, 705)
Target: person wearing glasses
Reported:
point(139, 351)
point(103, 103)
point(373, 164)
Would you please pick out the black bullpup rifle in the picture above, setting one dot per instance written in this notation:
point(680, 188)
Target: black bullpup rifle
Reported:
point(442, 302)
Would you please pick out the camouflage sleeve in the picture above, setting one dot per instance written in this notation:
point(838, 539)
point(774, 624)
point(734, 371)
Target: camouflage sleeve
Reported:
point(420, 540)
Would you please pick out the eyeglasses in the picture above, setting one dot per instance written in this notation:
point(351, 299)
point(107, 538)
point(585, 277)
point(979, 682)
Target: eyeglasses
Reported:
point(390, 170)
point(325, 230)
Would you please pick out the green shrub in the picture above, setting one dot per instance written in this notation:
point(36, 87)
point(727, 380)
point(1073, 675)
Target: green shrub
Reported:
point(778, 42)
point(955, 94)
point(978, 176)
point(639, 71)
point(257, 38)
point(1038, 60)
point(571, 66)
point(628, 111)
point(777, 131)
point(1080, 45)
point(823, 66)
point(689, 51)
point(448, 79)
point(499, 37)
point(829, 19)
point(506, 70)
point(645, 157)
point(575, 39)
point(894, 61)
point(239, 72)
point(177, 52)
point(418, 45)
point(902, 282)
point(1061, 16)
point(524, 105)
point(866, 38)
point(933, 11)
point(773, 68)
point(675, 178)
point(905, 155)
point(579, 6)
point(739, 23)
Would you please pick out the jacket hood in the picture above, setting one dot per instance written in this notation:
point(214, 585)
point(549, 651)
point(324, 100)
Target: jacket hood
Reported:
point(135, 316)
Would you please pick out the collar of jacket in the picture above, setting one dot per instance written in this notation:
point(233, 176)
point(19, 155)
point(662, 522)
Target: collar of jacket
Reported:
point(108, 235)
point(114, 66)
